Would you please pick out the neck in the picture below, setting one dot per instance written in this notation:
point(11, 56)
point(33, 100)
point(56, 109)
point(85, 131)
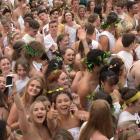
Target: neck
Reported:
point(92, 75)
point(131, 14)
point(70, 23)
point(37, 125)
point(54, 36)
point(65, 117)
point(111, 30)
point(22, 78)
point(127, 49)
point(131, 110)
point(30, 100)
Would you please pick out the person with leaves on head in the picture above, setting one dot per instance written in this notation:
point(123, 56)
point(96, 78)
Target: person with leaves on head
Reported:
point(90, 79)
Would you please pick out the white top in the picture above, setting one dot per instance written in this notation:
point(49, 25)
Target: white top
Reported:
point(95, 44)
point(27, 38)
point(45, 30)
point(75, 132)
point(126, 116)
point(48, 42)
point(137, 50)
point(110, 37)
point(21, 22)
point(20, 84)
point(72, 33)
point(127, 59)
point(97, 34)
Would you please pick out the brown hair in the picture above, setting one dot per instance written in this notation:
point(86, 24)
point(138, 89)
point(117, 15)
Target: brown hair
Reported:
point(36, 46)
point(127, 130)
point(23, 62)
point(100, 119)
point(25, 96)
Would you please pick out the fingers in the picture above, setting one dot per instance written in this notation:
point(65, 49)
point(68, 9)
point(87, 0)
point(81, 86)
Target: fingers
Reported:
point(53, 106)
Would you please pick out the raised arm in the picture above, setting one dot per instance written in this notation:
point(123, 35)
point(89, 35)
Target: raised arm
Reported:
point(52, 118)
point(82, 36)
point(23, 121)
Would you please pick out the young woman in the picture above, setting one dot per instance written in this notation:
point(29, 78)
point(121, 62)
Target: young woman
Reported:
point(22, 70)
point(100, 124)
point(33, 89)
point(118, 67)
point(5, 66)
point(58, 77)
point(62, 114)
point(108, 89)
point(131, 99)
point(90, 7)
point(69, 57)
point(63, 42)
point(81, 16)
point(4, 110)
point(70, 26)
point(33, 128)
point(127, 131)
point(12, 38)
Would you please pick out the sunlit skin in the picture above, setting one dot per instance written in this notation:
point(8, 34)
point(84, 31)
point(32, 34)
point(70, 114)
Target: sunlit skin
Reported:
point(5, 66)
point(63, 80)
point(34, 88)
point(63, 103)
point(69, 57)
point(21, 72)
point(38, 114)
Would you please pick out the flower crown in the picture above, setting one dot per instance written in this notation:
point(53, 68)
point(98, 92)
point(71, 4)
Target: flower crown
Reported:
point(56, 90)
point(32, 51)
point(102, 59)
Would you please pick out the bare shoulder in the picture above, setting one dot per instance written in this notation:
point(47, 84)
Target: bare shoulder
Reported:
point(98, 136)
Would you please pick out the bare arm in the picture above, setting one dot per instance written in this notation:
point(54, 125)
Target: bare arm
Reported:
point(103, 40)
point(82, 36)
point(75, 82)
point(52, 118)
point(23, 121)
point(13, 115)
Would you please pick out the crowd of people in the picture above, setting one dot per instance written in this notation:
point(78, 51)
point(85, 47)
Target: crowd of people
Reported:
point(69, 69)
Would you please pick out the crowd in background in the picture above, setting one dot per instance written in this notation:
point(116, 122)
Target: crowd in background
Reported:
point(69, 69)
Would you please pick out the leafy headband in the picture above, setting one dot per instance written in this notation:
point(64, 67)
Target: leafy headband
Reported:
point(105, 25)
point(56, 90)
point(32, 51)
point(102, 59)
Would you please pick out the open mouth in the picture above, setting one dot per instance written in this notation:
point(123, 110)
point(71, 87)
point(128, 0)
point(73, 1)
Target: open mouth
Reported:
point(40, 117)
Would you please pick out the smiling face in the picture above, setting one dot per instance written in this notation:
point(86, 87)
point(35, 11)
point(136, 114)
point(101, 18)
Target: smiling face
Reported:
point(63, 103)
point(21, 71)
point(69, 57)
point(34, 88)
point(64, 43)
point(63, 80)
point(5, 66)
point(92, 5)
point(82, 12)
point(38, 113)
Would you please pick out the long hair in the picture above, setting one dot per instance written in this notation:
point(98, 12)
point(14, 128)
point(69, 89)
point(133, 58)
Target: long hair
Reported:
point(25, 96)
point(3, 132)
point(100, 119)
